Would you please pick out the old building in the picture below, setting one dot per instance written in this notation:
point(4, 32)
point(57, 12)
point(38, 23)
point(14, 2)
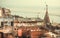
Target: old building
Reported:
point(15, 25)
point(5, 17)
point(46, 18)
point(5, 12)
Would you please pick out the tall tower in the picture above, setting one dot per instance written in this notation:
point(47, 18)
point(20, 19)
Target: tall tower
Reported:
point(46, 18)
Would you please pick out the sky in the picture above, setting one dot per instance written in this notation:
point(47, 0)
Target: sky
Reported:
point(33, 8)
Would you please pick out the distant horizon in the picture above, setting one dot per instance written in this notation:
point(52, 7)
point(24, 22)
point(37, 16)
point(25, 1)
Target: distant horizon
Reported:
point(33, 8)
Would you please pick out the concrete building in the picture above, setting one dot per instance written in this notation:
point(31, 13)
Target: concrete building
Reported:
point(6, 21)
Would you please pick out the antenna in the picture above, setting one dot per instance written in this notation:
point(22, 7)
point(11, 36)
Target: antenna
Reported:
point(38, 14)
point(52, 21)
point(45, 3)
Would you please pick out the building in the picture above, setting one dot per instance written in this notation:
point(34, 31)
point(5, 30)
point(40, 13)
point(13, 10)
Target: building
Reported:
point(46, 18)
point(5, 12)
point(31, 27)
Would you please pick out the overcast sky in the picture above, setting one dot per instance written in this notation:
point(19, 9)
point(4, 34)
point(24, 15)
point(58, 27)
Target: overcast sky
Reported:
point(33, 8)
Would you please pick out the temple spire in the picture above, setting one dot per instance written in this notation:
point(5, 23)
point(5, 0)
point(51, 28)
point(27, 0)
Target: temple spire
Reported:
point(46, 18)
